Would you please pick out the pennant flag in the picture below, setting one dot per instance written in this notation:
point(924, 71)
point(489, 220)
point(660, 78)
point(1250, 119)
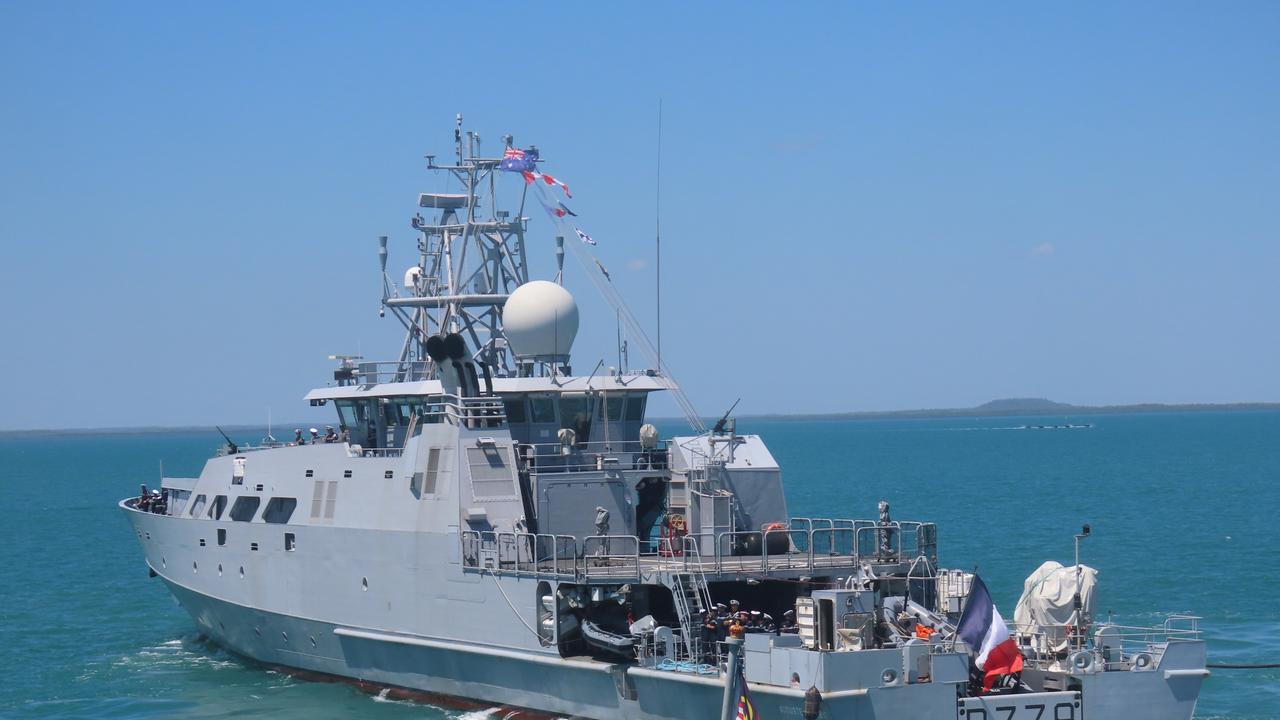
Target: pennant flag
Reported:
point(746, 710)
point(531, 175)
point(560, 210)
point(603, 271)
point(985, 632)
point(584, 237)
point(517, 160)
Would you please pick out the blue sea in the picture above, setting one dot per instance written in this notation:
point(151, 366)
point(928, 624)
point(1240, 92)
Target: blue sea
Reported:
point(1183, 509)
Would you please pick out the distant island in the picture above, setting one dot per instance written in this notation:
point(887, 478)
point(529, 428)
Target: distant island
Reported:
point(1006, 407)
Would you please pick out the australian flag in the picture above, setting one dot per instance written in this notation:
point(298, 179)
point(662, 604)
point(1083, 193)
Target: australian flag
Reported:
point(517, 160)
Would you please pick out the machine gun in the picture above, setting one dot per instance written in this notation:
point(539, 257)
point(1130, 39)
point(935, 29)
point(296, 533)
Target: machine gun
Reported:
point(231, 446)
point(724, 419)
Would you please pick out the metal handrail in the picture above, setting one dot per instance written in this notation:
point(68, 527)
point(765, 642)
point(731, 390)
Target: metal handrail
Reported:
point(815, 545)
point(605, 555)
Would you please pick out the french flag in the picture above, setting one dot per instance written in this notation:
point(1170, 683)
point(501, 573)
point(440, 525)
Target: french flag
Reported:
point(987, 635)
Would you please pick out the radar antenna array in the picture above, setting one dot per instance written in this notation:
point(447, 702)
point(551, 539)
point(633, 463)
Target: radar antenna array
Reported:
point(471, 257)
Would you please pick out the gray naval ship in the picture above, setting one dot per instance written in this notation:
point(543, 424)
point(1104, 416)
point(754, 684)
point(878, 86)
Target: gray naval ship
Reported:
point(484, 525)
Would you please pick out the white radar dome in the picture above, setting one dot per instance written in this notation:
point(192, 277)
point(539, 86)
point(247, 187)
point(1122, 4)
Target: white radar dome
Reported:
point(540, 319)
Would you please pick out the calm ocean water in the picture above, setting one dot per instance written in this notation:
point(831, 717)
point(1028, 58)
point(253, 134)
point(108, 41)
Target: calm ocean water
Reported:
point(1183, 507)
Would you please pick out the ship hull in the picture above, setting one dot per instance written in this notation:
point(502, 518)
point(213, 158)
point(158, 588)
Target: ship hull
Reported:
point(457, 674)
point(454, 635)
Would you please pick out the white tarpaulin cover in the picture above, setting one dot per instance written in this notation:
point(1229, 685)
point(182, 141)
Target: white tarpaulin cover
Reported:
point(1048, 603)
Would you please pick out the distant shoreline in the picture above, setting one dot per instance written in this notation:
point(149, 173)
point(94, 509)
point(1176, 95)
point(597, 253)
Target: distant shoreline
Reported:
point(1045, 411)
point(999, 408)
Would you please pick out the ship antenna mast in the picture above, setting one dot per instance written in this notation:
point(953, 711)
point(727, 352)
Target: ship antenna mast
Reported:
point(657, 234)
point(471, 257)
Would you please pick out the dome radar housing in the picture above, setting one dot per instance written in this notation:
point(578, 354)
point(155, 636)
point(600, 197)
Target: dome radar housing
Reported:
point(540, 320)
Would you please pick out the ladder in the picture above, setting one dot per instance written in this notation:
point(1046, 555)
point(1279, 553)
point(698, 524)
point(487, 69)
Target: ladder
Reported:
point(692, 599)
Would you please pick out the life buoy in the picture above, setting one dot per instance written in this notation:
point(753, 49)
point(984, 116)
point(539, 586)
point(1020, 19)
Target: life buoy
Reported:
point(673, 532)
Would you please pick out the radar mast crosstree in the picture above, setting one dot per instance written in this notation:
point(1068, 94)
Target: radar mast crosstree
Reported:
point(470, 261)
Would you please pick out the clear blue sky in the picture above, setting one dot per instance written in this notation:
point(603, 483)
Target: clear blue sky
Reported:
point(871, 206)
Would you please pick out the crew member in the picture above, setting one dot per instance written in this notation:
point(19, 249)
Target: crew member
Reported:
point(789, 625)
point(329, 435)
point(709, 635)
point(602, 529)
point(297, 437)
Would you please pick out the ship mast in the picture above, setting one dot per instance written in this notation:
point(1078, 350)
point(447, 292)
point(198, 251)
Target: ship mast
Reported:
point(470, 259)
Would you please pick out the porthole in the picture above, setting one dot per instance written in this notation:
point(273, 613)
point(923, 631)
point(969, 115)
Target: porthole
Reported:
point(241, 572)
point(163, 564)
point(257, 631)
point(284, 636)
point(222, 627)
point(313, 640)
point(364, 584)
point(219, 569)
point(195, 568)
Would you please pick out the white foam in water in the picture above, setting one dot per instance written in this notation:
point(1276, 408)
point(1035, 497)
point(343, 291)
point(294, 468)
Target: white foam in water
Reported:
point(479, 714)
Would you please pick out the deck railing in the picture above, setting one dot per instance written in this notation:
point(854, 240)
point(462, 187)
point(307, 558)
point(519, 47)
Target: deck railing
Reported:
point(1108, 646)
point(809, 545)
point(590, 456)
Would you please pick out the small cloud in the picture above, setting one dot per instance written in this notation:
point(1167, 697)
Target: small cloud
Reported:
point(637, 264)
point(1044, 248)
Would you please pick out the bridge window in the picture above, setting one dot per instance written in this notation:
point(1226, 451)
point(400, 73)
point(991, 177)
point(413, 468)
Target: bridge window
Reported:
point(245, 507)
point(542, 409)
point(515, 410)
point(611, 406)
point(575, 413)
point(279, 510)
point(197, 507)
point(635, 407)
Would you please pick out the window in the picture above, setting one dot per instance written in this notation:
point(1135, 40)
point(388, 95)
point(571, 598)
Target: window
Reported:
point(279, 510)
point(222, 536)
point(290, 542)
point(515, 410)
point(218, 507)
point(253, 546)
point(197, 507)
point(611, 406)
point(245, 507)
point(635, 407)
point(542, 409)
point(398, 410)
point(575, 413)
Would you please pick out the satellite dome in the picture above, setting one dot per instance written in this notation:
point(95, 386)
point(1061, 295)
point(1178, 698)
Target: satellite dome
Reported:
point(540, 319)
